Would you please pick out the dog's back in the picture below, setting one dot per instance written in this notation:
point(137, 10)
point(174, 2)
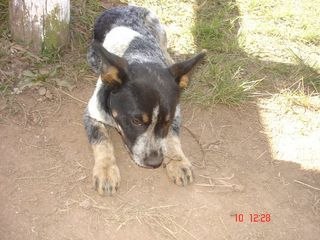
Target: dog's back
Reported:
point(133, 33)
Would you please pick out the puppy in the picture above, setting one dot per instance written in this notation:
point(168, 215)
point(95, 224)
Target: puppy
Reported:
point(137, 93)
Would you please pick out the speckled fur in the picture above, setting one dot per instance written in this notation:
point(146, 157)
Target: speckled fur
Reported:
point(150, 46)
point(133, 40)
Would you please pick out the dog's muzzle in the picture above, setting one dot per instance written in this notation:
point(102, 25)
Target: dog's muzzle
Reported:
point(153, 160)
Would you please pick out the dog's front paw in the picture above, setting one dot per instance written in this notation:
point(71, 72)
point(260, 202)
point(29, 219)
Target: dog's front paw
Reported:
point(180, 172)
point(106, 180)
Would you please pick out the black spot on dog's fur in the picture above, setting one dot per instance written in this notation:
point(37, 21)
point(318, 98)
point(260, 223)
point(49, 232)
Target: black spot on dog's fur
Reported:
point(93, 130)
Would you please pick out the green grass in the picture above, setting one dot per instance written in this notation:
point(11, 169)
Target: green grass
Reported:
point(287, 19)
point(253, 46)
point(223, 79)
point(215, 26)
point(4, 15)
point(243, 36)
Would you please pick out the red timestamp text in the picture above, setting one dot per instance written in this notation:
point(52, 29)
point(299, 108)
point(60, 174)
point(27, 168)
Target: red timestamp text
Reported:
point(253, 217)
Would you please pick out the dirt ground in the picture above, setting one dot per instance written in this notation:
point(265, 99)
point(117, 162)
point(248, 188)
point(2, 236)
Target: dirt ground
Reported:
point(45, 179)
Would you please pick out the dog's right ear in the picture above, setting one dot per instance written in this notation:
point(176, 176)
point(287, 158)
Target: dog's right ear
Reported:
point(113, 69)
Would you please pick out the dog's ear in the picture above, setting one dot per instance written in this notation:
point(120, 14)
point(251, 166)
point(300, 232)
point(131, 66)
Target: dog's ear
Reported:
point(113, 69)
point(180, 70)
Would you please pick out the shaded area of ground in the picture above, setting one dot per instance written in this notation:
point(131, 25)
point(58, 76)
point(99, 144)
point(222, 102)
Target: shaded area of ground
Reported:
point(45, 175)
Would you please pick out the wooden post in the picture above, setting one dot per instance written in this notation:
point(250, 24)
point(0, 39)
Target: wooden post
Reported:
point(41, 24)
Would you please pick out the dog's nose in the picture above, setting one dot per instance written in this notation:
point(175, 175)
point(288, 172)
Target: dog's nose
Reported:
point(154, 159)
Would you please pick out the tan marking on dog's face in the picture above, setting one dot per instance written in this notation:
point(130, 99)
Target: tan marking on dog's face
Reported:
point(110, 75)
point(184, 81)
point(145, 118)
point(114, 113)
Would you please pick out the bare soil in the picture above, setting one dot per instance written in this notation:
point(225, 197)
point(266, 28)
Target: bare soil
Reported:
point(46, 193)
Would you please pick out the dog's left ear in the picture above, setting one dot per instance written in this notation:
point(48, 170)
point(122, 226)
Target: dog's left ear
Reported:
point(180, 70)
point(113, 69)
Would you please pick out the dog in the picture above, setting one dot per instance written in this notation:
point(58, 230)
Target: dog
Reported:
point(137, 93)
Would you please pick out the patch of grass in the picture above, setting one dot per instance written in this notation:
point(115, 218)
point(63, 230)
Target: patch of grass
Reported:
point(309, 75)
point(83, 15)
point(224, 79)
point(286, 19)
point(4, 15)
point(301, 99)
point(241, 37)
point(71, 62)
point(215, 26)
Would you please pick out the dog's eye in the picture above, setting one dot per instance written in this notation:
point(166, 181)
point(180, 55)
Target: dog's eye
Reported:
point(136, 122)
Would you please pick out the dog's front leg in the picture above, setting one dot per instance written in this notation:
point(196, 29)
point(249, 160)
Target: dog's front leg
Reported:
point(106, 174)
point(179, 168)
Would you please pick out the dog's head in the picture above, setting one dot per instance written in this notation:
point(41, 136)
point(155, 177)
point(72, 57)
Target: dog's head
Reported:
point(142, 99)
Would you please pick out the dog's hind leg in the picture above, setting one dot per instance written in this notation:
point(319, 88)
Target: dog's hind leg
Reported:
point(179, 168)
point(106, 174)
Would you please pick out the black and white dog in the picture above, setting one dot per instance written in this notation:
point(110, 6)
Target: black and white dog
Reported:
point(138, 94)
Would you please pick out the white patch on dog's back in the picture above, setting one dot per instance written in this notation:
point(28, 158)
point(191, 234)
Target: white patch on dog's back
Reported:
point(118, 39)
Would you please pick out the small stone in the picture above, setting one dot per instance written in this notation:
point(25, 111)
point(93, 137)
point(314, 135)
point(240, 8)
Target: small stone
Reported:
point(16, 91)
point(49, 95)
point(238, 188)
point(42, 91)
point(44, 71)
point(86, 204)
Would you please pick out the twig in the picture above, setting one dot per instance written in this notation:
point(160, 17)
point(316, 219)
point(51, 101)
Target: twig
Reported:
point(59, 105)
point(225, 227)
point(261, 155)
point(122, 224)
point(182, 228)
point(203, 159)
point(86, 195)
point(316, 203)
point(75, 98)
point(224, 178)
point(166, 206)
point(80, 165)
point(307, 185)
point(35, 146)
point(22, 49)
point(35, 177)
point(214, 185)
point(52, 168)
point(162, 225)
point(24, 112)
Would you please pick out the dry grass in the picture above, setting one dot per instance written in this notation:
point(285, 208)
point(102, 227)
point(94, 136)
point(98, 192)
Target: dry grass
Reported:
point(160, 219)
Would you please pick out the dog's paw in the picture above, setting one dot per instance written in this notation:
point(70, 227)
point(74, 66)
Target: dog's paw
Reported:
point(106, 180)
point(180, 172)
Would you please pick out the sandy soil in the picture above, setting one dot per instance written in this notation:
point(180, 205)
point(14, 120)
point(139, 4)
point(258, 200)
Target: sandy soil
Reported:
point(45, 179)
